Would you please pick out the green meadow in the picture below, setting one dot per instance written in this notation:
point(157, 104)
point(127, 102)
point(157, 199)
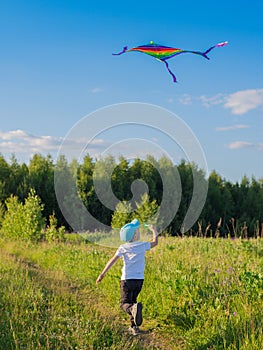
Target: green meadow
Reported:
point(198, 294)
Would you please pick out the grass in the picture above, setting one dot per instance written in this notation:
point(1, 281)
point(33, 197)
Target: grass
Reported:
point(198, 294)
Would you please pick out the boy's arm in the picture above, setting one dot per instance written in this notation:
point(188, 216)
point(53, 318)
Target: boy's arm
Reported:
point(154, 241)
point(109, 264)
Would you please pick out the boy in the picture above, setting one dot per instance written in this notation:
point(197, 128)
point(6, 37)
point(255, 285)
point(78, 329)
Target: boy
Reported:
point(133, 254)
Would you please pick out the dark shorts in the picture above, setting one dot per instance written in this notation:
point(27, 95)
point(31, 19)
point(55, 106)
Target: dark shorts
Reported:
point(130, 290)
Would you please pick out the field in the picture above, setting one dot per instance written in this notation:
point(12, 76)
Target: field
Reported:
point(198, 294)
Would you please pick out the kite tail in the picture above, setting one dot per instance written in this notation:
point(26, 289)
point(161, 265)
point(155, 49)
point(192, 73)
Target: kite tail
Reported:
point(123, 51)
point(204, 54)
point(169, 70)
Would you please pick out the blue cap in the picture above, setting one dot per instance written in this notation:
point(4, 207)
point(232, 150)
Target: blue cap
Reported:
point(128, 230)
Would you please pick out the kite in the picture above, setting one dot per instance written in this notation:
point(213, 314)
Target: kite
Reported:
point(164, 53)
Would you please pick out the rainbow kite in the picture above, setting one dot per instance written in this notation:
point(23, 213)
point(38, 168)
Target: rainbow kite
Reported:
point(164, 53)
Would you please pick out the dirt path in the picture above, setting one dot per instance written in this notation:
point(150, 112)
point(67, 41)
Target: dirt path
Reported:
point(57, 283)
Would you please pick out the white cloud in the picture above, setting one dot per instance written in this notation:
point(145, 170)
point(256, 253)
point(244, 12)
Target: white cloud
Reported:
point(21, 143)
point(96, 90)
point(243, 101)
point(10, 135)
point(232, 127)
point(185, 99)
point(240, 144)
point(218, 99)
point(239, 102)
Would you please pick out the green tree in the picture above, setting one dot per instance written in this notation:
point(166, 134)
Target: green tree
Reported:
point(121, 215)
point(12, 225)
point(147, 210)
point(24, 221)
point(67, 197)
point(2, 213)
point(121, 182)
point(228, 206)
point(84, 182)
point(104, 200)
point(18, 183)
point(33, 221)
point(218, 209)
point(214, 206)
point(4, 179)
point(172, 210)
point(41, 178)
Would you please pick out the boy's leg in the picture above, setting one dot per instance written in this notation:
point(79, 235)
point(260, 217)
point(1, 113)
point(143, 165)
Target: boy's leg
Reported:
point(130, 290)
point(136, 311)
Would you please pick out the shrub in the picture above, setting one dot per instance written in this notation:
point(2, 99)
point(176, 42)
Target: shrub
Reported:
point(53, 233)
point(12, 225)
point(24, 221)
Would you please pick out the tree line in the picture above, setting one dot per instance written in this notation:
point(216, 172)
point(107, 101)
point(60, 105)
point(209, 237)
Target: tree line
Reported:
point(231, 209)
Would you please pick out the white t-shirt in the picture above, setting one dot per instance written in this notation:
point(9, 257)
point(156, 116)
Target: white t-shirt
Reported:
point(133, 254)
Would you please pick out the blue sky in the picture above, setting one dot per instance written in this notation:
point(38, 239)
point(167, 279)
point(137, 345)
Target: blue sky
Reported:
point(56, 67)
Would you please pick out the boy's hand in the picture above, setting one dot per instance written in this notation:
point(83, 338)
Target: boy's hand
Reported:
point(109, 264)
point(99, 279)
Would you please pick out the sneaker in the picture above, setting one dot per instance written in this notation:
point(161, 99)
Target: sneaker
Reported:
point(137, 313)
point(134, 330)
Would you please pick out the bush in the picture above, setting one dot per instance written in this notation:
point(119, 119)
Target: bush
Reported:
point(24, 221)
point(2, 213)
point(12, 225)
point(53, 233)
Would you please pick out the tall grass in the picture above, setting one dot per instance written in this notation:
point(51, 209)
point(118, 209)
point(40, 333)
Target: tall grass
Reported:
point(198, 294)
point(43, 307)
point(208, 292)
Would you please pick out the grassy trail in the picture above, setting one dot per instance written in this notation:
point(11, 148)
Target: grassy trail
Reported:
point(42, 308)
point(199, 294)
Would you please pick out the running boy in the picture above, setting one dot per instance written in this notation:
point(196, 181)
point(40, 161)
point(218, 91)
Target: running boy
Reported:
point(133, 254)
